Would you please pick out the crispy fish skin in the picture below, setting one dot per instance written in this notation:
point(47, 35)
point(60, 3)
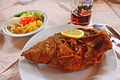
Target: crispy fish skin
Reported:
point(69, 55)
point(41, 52)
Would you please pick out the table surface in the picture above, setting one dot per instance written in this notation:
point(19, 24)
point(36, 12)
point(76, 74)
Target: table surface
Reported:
point(105, 12)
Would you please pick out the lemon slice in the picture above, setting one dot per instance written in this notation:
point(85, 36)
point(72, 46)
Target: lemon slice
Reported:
point(73, 33)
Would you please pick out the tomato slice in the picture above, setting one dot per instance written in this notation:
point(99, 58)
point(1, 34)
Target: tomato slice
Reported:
point(32, 19)
point(26, 20)
point(24, 23)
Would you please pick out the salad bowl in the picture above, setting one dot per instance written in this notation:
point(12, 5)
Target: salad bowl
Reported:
point(33, 31)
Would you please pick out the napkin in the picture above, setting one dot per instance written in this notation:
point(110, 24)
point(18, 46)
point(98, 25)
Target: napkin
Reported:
point(116, 44)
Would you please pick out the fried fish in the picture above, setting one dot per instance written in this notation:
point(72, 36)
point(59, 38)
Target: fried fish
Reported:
point(67, 55)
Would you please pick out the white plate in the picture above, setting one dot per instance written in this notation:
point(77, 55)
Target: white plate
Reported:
point(7, 32)
point(33, 71)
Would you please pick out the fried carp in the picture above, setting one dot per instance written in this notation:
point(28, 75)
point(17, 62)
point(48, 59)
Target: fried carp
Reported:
point(67, 55)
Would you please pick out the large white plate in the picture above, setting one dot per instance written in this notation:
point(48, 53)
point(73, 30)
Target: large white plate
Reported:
point(33, 71)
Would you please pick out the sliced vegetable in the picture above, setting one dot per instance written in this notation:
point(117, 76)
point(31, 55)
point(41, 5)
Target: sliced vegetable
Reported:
point(39, 23)
point(38, 15)
point(25, 22)
point(31, 26)
point(17, 15)
point(31, 19)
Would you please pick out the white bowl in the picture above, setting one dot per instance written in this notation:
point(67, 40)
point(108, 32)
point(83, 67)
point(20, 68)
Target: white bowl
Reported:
point(7, 32)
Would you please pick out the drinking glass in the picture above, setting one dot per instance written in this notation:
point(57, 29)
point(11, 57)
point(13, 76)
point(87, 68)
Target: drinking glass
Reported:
point(81, 12)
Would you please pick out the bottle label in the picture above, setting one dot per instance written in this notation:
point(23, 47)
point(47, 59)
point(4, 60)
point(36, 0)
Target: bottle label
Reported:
point(85, 7)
